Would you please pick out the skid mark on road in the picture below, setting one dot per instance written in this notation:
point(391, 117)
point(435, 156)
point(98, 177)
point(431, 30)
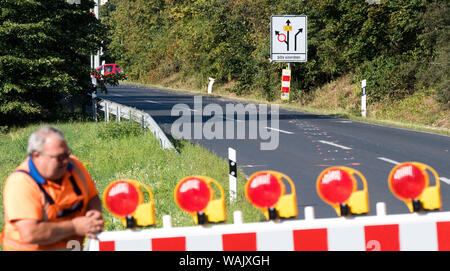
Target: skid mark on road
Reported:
point(327, 147)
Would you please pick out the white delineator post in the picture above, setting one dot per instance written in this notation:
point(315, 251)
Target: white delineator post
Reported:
point(363, 98)
point(232, 174)
point(210, 84)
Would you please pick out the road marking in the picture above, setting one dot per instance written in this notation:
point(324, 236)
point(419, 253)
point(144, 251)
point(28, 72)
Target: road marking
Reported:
point(254, 166)
point(389, 160)
point(282, 131)
point(150, 101)
point(443, 179)
point(238, 120)
point(334, 144)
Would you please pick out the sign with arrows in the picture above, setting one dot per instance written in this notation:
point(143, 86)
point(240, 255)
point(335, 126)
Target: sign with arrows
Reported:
point(288, 38)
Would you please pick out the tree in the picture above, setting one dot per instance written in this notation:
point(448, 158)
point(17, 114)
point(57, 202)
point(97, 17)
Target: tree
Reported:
point(45, 48)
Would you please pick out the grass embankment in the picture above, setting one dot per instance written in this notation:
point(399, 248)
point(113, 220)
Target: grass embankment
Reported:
point(340, 98)
point(122, 151)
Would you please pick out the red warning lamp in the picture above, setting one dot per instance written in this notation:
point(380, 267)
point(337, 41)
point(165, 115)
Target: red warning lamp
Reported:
point(124, 199)
point(195, 195)
point(337, 186)
point(266, 191)
point(409, 182)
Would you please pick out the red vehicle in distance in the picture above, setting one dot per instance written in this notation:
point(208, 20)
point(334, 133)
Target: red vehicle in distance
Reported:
point(109, 69)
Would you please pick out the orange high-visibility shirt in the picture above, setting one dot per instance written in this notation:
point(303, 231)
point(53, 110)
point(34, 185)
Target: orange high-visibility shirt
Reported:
point(23, 199)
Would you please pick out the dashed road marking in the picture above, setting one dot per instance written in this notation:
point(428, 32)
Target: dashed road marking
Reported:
point(389, 160)
point(334, 144)
point(281, 131)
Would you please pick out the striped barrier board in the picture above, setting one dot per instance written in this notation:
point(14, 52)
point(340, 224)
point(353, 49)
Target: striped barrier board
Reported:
point(409, 232)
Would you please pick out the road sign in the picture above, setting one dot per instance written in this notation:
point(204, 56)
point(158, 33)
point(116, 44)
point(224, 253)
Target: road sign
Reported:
point(288, 38)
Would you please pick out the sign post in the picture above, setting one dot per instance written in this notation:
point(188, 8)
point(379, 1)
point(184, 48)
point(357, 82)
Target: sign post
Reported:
point(285, 83)
point(363, 99)
point(288, 36)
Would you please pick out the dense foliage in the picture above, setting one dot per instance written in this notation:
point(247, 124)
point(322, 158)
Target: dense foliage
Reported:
point(45, 48)
point(399, 46)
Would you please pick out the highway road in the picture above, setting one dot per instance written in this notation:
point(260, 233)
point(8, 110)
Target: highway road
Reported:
point(307, 144)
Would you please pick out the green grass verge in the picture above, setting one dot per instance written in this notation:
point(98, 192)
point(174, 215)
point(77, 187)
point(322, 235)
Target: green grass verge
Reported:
point(122, 151)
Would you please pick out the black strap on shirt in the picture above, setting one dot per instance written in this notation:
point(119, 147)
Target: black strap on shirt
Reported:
point(46, 195)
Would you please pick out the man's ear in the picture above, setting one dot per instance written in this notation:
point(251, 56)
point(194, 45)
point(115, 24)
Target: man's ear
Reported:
point(35, 154)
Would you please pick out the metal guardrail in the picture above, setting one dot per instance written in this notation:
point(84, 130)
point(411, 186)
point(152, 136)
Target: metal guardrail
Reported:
point(125, 112)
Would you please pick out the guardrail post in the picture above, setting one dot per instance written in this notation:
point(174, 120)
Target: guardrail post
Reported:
point(143, 124)
point(106, 112)
point(94, 106)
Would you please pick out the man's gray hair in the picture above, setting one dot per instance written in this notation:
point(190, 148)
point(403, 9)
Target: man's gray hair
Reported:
point(38, 138)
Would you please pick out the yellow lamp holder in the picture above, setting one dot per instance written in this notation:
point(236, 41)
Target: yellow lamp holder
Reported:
point(144, 214)
point(215, 211)
point(286, 206)
point(357, 203)
point(429, 199)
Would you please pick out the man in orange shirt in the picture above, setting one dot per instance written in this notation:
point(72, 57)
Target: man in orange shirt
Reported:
point(50, 199)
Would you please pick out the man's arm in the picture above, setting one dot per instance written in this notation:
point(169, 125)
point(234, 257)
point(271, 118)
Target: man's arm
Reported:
point(43, 233)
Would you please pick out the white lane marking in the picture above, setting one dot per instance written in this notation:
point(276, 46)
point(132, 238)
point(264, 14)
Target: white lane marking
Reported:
point(281, 131)
point(117, 94)
point(254, 166)
point(389, 160)
point(238, 120)
point(443, 179)
point(344, 121)
point(150, 101)
point(334, 144)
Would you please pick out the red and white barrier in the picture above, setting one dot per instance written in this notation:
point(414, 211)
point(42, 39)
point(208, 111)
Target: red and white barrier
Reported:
point(413, 231)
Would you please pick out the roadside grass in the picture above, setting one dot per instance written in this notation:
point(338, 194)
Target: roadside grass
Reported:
point(114, 151)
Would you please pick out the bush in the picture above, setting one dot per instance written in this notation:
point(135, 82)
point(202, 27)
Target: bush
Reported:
point(229, 40)
point(388, 77)
point(114, 130)
point(44, 57)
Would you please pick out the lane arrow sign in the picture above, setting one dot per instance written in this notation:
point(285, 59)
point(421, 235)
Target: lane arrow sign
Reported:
point(295, 38)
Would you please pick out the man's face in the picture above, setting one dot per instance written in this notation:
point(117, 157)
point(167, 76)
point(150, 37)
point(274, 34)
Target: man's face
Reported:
point(53, 160)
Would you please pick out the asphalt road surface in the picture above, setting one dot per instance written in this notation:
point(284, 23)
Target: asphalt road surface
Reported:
point(307, 144)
